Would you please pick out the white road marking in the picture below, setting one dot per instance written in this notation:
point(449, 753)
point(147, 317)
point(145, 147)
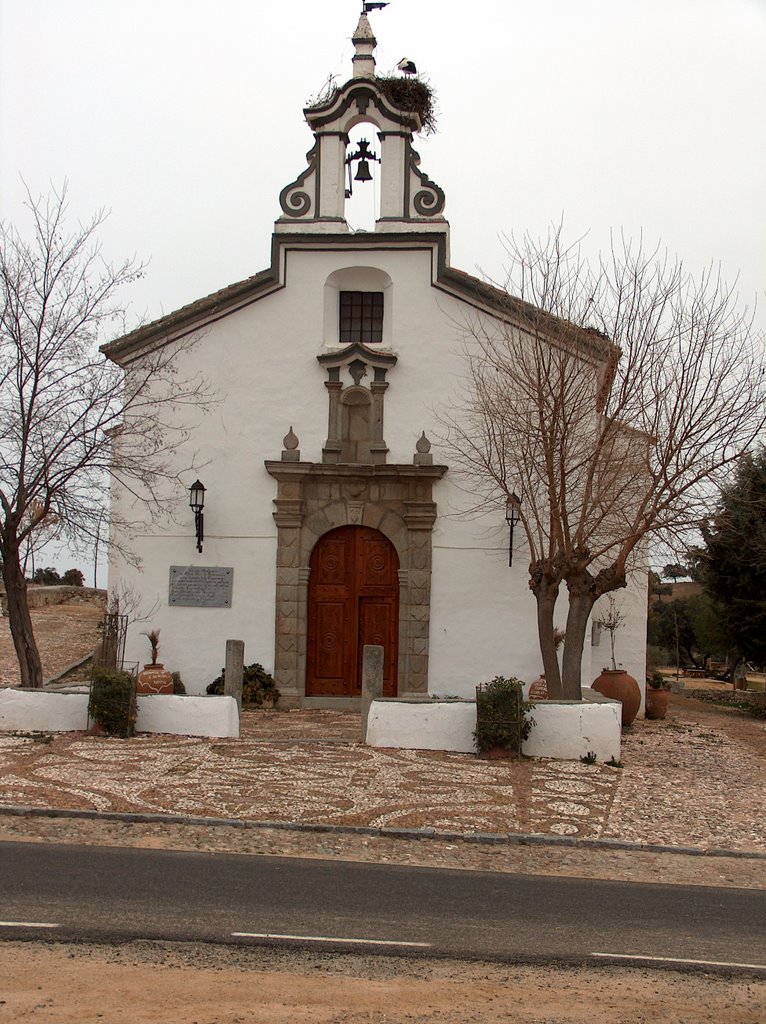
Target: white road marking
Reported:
point(28, 924)
point(678, 960)
point(331, 938)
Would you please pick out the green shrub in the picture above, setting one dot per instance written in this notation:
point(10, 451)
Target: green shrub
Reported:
point(657, 681)
point(179, 689)
point(257, 683)
point(502, 715)
point(113, 701)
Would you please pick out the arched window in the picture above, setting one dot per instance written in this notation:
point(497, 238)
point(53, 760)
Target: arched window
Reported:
point(358, 307)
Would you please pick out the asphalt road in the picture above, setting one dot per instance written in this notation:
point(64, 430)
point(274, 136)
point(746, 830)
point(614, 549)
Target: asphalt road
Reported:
point(88, 893)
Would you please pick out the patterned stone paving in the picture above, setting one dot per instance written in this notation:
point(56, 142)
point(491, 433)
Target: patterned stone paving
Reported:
point(683, 783)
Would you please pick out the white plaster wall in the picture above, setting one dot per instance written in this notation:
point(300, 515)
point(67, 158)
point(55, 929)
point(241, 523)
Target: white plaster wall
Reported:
point(562, 730)
point(25, 711)
point(569, 731)
point(188, 716)
point(261, 362)
point(422, 726)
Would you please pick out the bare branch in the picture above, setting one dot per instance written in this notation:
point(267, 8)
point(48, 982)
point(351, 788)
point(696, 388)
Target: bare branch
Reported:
point(612, 406)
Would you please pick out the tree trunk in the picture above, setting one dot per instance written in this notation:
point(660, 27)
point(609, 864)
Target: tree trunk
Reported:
point(545, 595)
point(20, 621)
point(581, 603)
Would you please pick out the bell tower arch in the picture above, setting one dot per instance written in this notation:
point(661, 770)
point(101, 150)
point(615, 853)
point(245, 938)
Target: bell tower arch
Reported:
point(409, 200)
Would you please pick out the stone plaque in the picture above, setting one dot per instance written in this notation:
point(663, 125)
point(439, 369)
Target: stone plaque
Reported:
point(200, 586)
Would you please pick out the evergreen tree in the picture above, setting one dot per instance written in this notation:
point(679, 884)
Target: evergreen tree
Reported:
point(734, 558)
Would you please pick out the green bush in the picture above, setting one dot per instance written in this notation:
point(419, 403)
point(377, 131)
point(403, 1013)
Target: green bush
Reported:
point(257, 683)
point(656, 681)
point(113, 701)
point(502, 715)
point(179, 689)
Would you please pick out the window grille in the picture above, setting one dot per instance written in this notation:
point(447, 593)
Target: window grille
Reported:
point(361, 317)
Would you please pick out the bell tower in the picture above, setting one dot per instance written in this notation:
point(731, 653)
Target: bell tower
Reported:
point(409, 200)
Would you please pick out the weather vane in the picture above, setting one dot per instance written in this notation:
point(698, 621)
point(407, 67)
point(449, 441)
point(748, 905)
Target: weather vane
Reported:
point(373, 5)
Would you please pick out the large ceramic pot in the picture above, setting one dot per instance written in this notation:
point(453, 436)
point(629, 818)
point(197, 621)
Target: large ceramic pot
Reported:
point(656, 703)
point(617, 684)
point(154, 679)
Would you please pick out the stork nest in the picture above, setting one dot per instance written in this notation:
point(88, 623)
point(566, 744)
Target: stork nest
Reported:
point(412, 95)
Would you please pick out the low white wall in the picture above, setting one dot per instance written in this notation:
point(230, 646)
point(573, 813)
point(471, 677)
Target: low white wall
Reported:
point(568, 730)
point(40, 711)
point(188, 716)
point(426, 725)
point(25, 711)
point(564, 730)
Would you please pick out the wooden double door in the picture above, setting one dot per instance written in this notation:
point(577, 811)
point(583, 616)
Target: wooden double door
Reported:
point(353, 600)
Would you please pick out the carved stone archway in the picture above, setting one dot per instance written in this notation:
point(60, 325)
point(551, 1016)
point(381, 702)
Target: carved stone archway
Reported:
point(314, 498)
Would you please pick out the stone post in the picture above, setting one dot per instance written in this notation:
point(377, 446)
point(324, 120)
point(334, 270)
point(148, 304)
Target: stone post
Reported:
point(235, 663)
point(372, 681)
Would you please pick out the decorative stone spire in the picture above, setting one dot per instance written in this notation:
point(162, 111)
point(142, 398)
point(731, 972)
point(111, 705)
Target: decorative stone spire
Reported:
point(291, 452)
point(423, 456)
point(364, 43)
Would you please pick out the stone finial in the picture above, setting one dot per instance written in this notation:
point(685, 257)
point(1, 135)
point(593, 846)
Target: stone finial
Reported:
point(291, 452)
point(423, 456)
point(364, 43)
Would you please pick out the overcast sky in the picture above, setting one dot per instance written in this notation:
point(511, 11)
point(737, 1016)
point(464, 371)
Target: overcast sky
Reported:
point(184, 118)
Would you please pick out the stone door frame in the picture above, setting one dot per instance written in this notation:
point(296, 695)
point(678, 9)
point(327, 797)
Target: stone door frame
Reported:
point(314, 498)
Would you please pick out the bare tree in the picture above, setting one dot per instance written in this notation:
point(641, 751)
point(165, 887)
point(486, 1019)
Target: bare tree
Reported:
point(62, 402)
point(608, 399)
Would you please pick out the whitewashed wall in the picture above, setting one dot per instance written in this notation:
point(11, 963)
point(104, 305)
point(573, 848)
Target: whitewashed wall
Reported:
point(561, 729)
point(261, 361)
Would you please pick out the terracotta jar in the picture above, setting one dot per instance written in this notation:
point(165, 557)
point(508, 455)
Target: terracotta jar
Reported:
point(617, 684)
point(154, 679)
point(539, 689)
point(656, 703)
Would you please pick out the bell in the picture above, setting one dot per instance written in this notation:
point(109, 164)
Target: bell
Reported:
point(363, 171)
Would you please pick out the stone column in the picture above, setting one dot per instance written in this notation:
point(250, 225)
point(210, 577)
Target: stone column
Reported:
point(235, 663)
point(332, 184)
point(393, 175)
point(372, 681)
point(332, 446)
point(289, 611)
point(378, 447)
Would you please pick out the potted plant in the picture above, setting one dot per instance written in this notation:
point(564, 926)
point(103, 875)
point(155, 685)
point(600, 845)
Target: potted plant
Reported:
point(502, 718)
point(657, 696)
point(615, 682)
point(154, 678)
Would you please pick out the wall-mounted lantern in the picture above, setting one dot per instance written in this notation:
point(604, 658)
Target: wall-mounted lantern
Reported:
point(196, 504)
point(512, 516)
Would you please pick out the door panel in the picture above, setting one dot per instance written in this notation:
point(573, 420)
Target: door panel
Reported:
point(353, 599)
point(330, 647)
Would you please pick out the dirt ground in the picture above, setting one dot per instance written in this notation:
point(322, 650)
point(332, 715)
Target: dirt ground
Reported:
point(212, 985)
point(64, 634)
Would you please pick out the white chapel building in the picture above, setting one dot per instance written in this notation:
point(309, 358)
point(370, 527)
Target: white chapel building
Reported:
point(332, 518)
